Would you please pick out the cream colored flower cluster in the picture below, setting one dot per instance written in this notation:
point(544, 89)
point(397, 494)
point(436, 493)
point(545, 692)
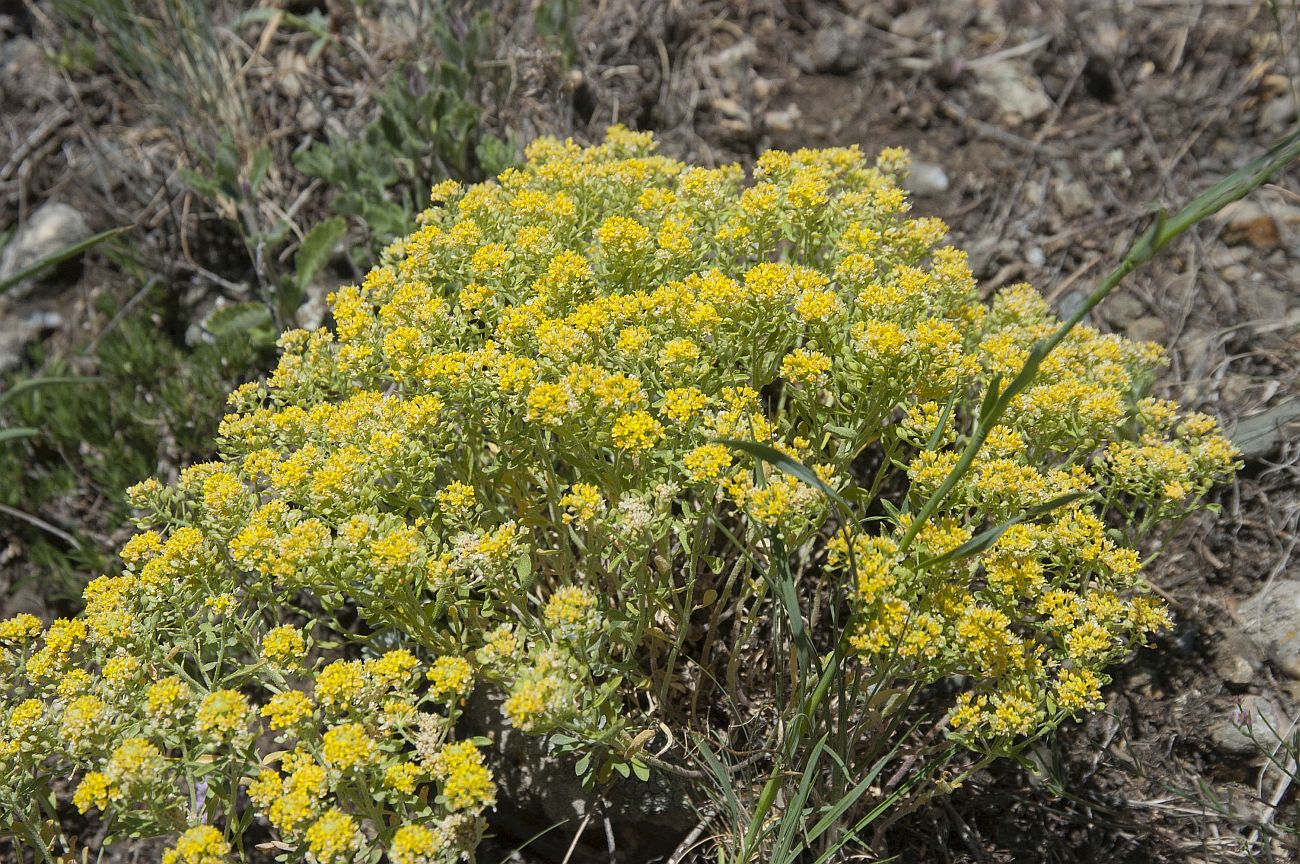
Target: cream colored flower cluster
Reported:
point(510, 464)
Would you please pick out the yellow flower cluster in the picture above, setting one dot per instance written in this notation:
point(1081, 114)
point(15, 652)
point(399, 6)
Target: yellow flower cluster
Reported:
point(201, 844)
point(466, 782)
point(524, 459)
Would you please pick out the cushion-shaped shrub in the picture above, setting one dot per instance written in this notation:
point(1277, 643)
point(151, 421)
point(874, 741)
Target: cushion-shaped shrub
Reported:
point(643, 447)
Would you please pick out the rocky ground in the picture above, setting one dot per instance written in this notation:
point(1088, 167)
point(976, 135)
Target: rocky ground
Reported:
point(1046, 131)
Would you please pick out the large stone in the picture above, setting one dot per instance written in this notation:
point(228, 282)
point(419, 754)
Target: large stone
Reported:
point(1272, 619)
point(1014, 88)
point(1260, 301)
point(1122, 307)
point(1253, 727)
point(21, 328)
point(1237, 659)
point(913, 24)
point(53, 227)
point(838, 48)
point(1148, 328)
point(1074, 198)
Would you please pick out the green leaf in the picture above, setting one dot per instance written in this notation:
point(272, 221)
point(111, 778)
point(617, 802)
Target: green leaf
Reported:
point(315, 161)
point(206, 186)
point(985, 539)
point(60, 256)
point(18, 432)
point(238, 320)
point(258, 166)
point(316, 247)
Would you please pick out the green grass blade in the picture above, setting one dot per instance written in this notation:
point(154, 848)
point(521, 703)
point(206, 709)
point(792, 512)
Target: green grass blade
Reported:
point(782, 462)
point(17, 432)
point(36, 383)
point(60, 256)
point(985, 539)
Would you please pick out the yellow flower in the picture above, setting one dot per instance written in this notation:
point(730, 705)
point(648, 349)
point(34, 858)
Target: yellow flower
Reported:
point(450, 677)
point(571, 608)
point(466, 782)
point(222, 715)
point(20, 629)
point(201, 844)
point(347, 746)
point(637, 432)
point(392, 669)
point(402, 777)
point(135, 761)
point(707, 463)
point(1079, 690)
point(94, 790)
point(416, 844)
point(623, 236)
point(490, 259)
point(340, 683)
point(334, 837)
point(286, 710)
point(284, 646)
point(583, 503)
point(25, 717)
point(265, 788)
point(84, 720)
point(549, 404)
point(805, 367)
point(456, 499)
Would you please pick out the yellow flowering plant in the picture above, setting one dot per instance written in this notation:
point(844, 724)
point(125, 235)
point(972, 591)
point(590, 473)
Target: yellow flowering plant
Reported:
point(682, 464)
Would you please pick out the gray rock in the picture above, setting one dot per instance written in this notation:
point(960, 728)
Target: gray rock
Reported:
point(1120, 308)
point(783, 120)
point(26, 75)
point(1235, 669)
point(20, 328)
point(1237, 659)
point(926, 179)
point(1262, 302)
point(1260, 434)
point(1236, 387)
point(838, 48)
point(309, 116)
point(1074, 198)
point(1014, 88)
point(1148, 328)
point(1277, 113)
point(1253, 727)
point(54, 226)
point(25, 599)
point(913, 24)
point(311, 314)
point(1262, 225)
point(1070, 303)
point(730, 108)
point(1036, 257)
point(1107, 39)
point(1272, 619)
point(1235, 273)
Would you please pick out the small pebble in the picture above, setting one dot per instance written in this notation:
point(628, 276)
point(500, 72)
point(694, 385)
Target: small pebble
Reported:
point(926, 179)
